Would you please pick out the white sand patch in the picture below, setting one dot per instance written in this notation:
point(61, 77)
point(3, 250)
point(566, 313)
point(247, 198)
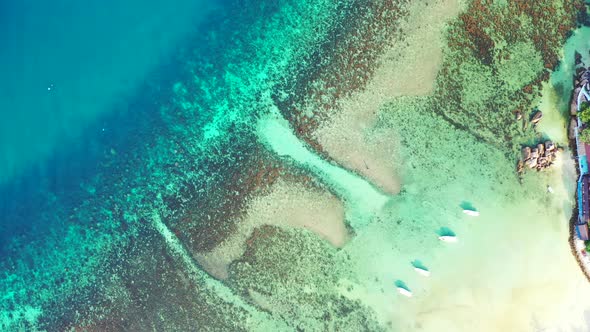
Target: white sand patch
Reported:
point(553, 124)
point(361, 198)
point(511, 271)
point(287, 205)
point(408, 68)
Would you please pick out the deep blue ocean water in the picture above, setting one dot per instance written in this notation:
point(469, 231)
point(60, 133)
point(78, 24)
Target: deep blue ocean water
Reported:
point(73, 85)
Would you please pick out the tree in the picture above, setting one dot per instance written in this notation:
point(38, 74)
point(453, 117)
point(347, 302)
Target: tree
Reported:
point(585, 116)
point(584, 112)
point(585, 135)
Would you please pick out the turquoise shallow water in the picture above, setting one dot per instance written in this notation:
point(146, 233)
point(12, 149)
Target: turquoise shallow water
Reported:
point(159, 137)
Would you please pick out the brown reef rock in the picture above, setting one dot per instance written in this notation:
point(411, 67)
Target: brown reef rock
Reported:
point(538, 157)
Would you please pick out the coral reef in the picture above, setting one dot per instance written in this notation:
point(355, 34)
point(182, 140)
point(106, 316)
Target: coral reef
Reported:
point(304, 293)
point(498, 55)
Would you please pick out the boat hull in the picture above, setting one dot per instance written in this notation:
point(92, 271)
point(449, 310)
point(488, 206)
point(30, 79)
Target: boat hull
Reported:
point(422, 272)
point(447, 238)
point(404, 292)
point(471, 213)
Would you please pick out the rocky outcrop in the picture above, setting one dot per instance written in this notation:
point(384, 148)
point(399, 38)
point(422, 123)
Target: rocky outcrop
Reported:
point(536, 117)
point(526, 153)
point(571, 133)
point(538, 157)
point(541, 148)
point(574, 103)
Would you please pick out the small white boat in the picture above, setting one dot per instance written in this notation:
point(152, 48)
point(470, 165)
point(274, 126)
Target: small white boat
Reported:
point(549, 189)
point(448, 238)
point(422, 271)
point(404, 292)
point(471, 213)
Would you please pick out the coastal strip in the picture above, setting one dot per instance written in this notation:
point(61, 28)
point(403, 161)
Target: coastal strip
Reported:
point(579, 234)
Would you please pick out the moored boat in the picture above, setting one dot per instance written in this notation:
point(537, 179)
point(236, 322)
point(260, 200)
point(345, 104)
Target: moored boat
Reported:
point(448, 238)
point(404, 292)
point(472, 213)
point(422, 271)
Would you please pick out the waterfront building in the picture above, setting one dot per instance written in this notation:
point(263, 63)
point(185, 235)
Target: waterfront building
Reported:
point(583, 151)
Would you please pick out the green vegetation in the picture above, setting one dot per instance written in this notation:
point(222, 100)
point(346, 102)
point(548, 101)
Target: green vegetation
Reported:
point(585, 136)
point(587, 243)
point(584, 113)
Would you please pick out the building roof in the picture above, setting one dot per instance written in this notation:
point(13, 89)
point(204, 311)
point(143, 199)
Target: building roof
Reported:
point(582, 231)
point(585, 206)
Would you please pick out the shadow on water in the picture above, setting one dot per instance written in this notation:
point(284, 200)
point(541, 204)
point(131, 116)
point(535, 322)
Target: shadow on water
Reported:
point(418, 264)
point(465, 205)
point(400, 284)
point(445, 231)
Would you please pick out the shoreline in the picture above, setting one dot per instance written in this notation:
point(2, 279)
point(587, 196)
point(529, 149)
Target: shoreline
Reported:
point(571, 227)
point(574, 246)
point(575, 241)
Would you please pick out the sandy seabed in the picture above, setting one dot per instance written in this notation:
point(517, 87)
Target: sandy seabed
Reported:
point(512, 269)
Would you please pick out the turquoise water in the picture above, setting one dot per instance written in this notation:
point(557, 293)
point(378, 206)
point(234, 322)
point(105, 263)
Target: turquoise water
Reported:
point(120, 113)
point(362, 198)
point(66, 65)
point(73, 76)
point(138, 139)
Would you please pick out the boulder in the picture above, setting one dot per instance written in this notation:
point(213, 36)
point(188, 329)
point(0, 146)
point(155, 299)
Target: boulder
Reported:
point(541, 149)
point(518, 115)
point(526, 153)
point(531, 163)
point(519, 166)
point(574, 103)
point(537, 117)
point(573, 108)
point(572, 129)
point(542, 161)
point(550, 157)
point(549, 146)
